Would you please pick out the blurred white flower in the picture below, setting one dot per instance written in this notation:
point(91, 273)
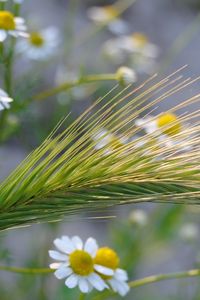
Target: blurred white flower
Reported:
point(139, 43)
point(189, 232)
point(108, 15)
point(108, 258)
point(109, 141)
point(134, 48)
point(5, 100)
point(126, 75)
point(138, 217)
point(167, 124)
point(76, 263)
point(11, 25)
point(40, 45)
point(167, 130)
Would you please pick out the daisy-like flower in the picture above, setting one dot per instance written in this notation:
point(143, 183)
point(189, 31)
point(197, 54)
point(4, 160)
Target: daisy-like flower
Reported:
point(139, 43)
point(166, 130)
point(135, 48)
point(108, 15)
point(167, 124)
point(108, 258)
point(5, 100)
point(138, 217)
point(11, 25)
point(126, 75)
point(76, 264)
point(40, 45)
point(109, 141)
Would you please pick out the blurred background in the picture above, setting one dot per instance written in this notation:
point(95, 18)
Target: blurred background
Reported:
point(149, 36)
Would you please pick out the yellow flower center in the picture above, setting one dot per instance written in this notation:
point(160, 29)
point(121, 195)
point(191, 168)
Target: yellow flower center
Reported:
point(111, 11)
point(140, 39)
point(36, 39)
point(170, 121)
point(7, 20)
point(81, 262)
point(108, 258)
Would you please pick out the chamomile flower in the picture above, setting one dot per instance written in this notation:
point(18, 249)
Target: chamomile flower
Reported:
point(139, 43)
point(166, 124)
point(166, 129)
point(76, 264)
point(109, 141)
point(5, 100)
point(11, 25)
point(126, 75)
point(109, 259)
point(41, 44)
point(135, 48)
point(108, 15)
point(138, 217)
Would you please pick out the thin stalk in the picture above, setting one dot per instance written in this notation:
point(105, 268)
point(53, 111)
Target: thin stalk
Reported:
point(132, 284)
point(30, 271)
point(16, 9)
point(2, 5)
point(8, 72)
point(68, 85)
point(161, 277)
point(8, 82)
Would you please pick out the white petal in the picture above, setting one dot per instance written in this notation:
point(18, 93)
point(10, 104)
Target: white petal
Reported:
point(91, 246)
point(97, 282)
point(63, 272)
point(3, 35)
point(114, 284)
point(71, 281)
point(120, 287)
point(83, 285)
point(104, 270)
point(6, 99)
point(123, 288)
point(19, 20)
point(121, 275)
point(65, 245)
point(2, 107)
point(78, 244)
point(3, 93)
point(55, 265)
point(57, 255)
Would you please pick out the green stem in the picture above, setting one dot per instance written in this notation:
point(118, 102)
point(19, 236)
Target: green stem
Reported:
point(160, 277)
point(132, 284)
point(16, 9)
point(8, 74)
point(2, 5)
point(34, 271)
point(82, 296)
point(8, 81)
point(69, 85)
